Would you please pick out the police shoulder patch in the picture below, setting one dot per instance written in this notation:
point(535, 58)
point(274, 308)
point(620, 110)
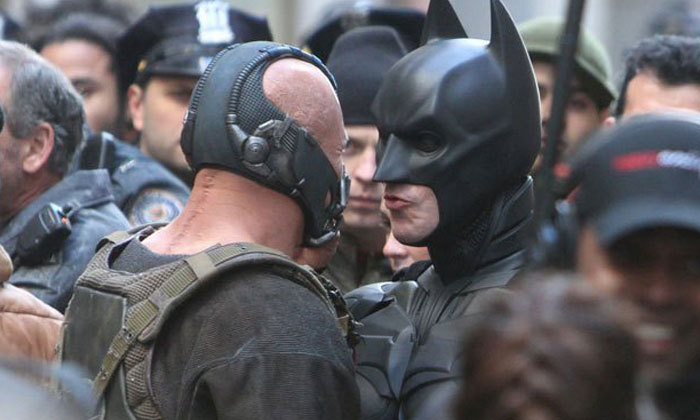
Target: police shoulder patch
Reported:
point(154, 205)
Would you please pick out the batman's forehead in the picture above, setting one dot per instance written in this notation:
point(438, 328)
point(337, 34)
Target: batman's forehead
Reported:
point(411, 88)
point(437, 58)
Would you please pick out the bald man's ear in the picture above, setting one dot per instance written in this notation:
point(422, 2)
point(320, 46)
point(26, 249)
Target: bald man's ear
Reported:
point(610, 122)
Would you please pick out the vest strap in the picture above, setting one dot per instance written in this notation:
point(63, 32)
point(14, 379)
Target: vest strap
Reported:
point(141, 316)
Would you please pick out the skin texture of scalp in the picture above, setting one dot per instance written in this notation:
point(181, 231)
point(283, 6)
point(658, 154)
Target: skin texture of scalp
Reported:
point(263, 216)
point(302, 91)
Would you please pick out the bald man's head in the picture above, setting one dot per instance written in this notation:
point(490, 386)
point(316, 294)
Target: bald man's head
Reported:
point(282, 127)
point(302, 91)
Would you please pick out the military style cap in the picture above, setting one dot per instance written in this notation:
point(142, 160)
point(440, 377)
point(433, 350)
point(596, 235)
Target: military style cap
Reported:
point(181, 40)
point(541, 38)
point(359, 60)
point(407, 22)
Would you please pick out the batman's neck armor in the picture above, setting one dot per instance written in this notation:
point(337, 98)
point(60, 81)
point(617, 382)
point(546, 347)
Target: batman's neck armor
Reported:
point(499, 231)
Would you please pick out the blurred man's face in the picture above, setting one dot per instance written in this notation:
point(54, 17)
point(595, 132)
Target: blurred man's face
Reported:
point(582, 115)
point(90, 69)
point(413, 211)
point(400, 255)
point(11, 175)
point(646, 93)
point(362, 212)
point(19, 158)
point(157, 112)
point(658, 272)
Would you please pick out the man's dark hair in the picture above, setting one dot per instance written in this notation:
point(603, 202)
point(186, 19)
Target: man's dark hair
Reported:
point(675, 18)
point(45, 17)
point(675, 60)
point(39, 92)
point(101, 30)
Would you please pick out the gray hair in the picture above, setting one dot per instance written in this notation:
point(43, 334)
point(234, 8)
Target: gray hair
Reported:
point(41, 93)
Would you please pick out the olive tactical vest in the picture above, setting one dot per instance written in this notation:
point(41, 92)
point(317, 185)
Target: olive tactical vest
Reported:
point(133, 307)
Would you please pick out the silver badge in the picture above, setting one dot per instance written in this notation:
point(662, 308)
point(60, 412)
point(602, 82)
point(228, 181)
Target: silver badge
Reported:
point(214, 25)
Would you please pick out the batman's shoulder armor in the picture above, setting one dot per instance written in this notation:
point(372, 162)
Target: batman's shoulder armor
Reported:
point(411, 332)
point(386, 345)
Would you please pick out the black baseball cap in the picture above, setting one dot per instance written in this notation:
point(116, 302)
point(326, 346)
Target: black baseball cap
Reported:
point(181, 40)
point(359, 60)
point(644, 173)
point(345, 17)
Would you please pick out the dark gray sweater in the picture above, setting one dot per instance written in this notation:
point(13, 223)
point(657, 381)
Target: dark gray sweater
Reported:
point(252, 345)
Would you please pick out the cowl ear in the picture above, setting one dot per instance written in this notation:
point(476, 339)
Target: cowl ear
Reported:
point(442, 22)
point(505, 38)
point(508, 48)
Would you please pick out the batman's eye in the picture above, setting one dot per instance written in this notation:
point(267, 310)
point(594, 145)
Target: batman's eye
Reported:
point(428, 142)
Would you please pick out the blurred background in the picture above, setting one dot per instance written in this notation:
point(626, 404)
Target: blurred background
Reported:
point(618, 23)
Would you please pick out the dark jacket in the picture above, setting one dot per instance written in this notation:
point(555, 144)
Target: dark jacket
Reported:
point(678, 399)
point(93, 215)
point(412, 329)
point(143, 189)
point(347, 273)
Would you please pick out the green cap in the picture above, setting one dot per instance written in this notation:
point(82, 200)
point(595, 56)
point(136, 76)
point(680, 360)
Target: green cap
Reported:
point(542, 39)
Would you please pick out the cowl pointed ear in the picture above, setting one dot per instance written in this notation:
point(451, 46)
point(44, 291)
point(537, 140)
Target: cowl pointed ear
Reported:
point(505, 38)
point(508, 48)
point(441, 22)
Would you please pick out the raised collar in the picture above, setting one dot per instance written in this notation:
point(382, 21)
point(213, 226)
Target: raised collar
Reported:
point(78, 189)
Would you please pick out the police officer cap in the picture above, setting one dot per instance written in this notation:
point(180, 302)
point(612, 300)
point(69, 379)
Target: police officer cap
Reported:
point(359, 60)
point(541, 38)
point(181, 40)
point(407, 22)
point(9, 29)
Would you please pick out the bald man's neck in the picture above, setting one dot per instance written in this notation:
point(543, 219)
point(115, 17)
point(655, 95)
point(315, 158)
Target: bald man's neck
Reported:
point(225, 207)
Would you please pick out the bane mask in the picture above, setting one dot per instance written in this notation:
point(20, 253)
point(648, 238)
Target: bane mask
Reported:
point(459, 115)
point(232, 125)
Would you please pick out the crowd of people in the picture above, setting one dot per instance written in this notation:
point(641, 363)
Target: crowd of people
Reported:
point(199, 222)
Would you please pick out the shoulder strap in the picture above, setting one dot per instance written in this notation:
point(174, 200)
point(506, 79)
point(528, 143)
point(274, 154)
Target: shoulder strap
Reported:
point(122, 235)
point(115, 238)
point(144, 320)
